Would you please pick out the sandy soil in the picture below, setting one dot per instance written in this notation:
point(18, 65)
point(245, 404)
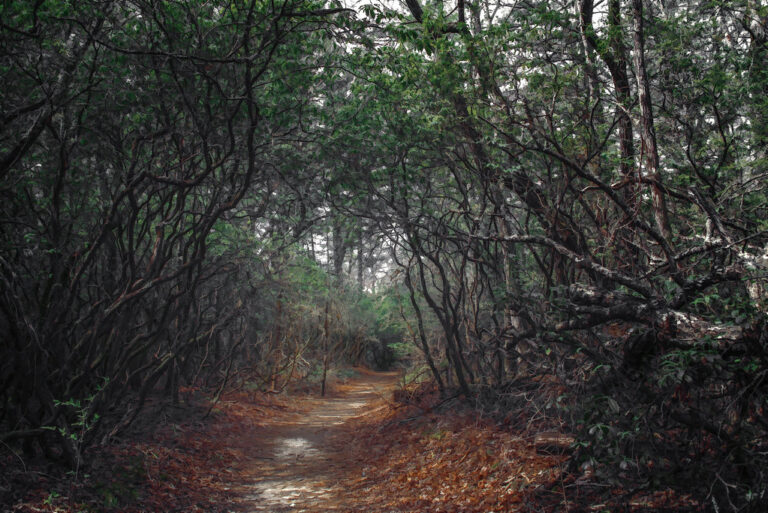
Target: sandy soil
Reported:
point(299, 462)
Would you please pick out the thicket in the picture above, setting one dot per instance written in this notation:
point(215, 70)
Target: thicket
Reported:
point(153, 213)
point(576, 198)
point(569, 198)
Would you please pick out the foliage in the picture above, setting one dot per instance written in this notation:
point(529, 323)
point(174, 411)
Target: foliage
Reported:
point(208, 193)
point(141, 147)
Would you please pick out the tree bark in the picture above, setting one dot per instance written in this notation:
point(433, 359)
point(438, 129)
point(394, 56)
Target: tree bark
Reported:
point(648, 133)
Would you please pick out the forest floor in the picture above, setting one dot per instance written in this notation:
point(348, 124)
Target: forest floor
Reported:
point(355, 450)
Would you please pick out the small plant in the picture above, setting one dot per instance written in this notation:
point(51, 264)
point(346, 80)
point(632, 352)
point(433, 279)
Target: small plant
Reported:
point(76, 431)
point(52, 496)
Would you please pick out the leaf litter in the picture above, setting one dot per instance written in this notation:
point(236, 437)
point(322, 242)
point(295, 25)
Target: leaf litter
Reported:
point(354, 451)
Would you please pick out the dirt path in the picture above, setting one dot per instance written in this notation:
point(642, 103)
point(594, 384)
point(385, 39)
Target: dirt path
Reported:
point(298, 468)
point(347, 453)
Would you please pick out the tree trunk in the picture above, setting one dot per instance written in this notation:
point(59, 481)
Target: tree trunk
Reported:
point(327, 345)
point(648, 134)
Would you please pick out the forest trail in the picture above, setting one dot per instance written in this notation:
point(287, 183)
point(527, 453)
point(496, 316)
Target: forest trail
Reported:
point(354, 451)
point(296, 466)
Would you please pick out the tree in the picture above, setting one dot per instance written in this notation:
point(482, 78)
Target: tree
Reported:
point(132, 131)
point(508, 188)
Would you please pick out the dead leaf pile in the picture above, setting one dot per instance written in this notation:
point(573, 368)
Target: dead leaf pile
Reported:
point(422, 455)
point(182, 463)
point(442, 462)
